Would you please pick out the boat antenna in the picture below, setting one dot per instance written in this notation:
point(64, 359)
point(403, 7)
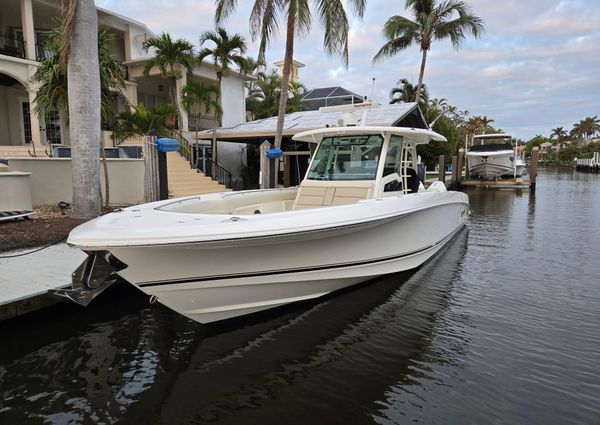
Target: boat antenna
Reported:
point(372, 88)
point(436, 118)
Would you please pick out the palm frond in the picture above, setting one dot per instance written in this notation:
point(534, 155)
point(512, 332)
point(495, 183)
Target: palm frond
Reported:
point(264, 23)
point(224, 8)
point(335, 24)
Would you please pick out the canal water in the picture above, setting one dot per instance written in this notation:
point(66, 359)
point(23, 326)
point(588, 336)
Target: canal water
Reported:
point(503, 327)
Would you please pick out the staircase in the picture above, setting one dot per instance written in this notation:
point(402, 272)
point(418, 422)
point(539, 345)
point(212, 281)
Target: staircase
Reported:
point(186, 181)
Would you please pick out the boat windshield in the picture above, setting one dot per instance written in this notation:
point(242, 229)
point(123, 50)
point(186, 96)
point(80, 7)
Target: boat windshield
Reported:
point(347, 158)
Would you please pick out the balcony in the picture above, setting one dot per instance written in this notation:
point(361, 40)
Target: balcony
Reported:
point(12, 46)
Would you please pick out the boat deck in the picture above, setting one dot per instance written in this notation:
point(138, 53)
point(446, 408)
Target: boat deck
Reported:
point(25, 281)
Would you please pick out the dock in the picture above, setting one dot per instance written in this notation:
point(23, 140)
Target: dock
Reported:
point(589, 165)
point(26, 280)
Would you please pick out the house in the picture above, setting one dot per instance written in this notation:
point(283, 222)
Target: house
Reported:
point(25, 24)
point(295, 74)
point(329, 96)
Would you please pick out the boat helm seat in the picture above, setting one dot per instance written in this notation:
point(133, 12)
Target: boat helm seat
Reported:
point(315, 194)
point(412, 180)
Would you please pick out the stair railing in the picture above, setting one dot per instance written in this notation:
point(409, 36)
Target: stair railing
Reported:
point(195, 156)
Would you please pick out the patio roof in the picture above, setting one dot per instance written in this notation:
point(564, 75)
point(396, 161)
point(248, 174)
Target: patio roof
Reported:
point(397, 115)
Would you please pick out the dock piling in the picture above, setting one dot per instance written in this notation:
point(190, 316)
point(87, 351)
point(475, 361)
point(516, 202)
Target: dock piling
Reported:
point(442, 169)
point(459, 167)
point(454, 181)
point(535, 156)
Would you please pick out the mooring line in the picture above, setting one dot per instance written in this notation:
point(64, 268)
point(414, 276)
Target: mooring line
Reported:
point(35, 250)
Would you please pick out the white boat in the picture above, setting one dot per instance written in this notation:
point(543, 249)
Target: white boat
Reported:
point(360, 212)
point(492, 156)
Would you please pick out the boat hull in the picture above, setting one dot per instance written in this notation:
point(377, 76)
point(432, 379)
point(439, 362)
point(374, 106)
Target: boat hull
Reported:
point(217, 280)
point(491, 166)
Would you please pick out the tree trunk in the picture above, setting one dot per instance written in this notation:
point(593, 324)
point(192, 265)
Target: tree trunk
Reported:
point(83, 76)
point(105, 169)
point(214, 132)
point(288, 63)
point(421, 74)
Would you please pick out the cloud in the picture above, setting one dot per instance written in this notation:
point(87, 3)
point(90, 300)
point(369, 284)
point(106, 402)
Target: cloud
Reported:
point(566, 19)
point(535, 67)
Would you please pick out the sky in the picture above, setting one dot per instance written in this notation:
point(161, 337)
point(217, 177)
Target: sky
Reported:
point(536, 67)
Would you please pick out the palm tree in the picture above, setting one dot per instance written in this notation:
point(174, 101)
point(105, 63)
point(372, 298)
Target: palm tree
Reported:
point(52, 95)
point(561, 134)
point(264, 21)
point(433, 21)
point(589, 126)
point(199, 97)
point(473, 125)
point(169, 57)
point(139, 120)
point(263, 97)
point(226, 51)
point(78, 53)
point(485, 123)
point(439, 104)
point(406, 91)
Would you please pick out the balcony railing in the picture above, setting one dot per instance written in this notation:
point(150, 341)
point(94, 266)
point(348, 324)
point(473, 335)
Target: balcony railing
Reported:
point(197, 122)
point(12, 46)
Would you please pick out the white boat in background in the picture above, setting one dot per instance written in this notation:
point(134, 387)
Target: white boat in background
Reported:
point(492, 156)
point(360, 212)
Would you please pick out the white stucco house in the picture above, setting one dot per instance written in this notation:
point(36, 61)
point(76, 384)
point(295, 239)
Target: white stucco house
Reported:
point(24, 24)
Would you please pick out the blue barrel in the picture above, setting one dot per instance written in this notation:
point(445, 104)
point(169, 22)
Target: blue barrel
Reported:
point(165, 144)
point(274, 153)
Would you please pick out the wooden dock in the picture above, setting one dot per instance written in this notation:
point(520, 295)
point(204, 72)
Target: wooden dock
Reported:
point(25, 281)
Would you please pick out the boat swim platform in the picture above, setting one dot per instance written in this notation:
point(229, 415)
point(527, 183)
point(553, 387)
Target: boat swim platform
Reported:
point(25, 281)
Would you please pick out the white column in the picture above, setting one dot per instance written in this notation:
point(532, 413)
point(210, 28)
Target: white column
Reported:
point(28, 29)
point(36, 138)
point(179, 84)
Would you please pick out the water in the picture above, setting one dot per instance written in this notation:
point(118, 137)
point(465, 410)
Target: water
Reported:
point(502, 328)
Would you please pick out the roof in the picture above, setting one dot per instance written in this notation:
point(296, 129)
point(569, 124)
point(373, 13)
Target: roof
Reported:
point(395, 115)
point(329, 96)
point(125, 19)
point(326, 92)
point(237, 73)
point(296, 63)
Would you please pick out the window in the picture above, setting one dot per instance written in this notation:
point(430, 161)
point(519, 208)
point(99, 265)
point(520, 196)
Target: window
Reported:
point(347, 158)
point(25, 109)
point(393, 157)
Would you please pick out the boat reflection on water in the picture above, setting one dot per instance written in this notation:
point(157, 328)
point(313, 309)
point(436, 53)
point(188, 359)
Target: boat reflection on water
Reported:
point(331, 360)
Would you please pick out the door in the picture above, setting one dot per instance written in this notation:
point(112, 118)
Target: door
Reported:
point(53, 128)
point(25, 130)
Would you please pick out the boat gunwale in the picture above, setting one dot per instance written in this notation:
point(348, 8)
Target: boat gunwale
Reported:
point(234, 239)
